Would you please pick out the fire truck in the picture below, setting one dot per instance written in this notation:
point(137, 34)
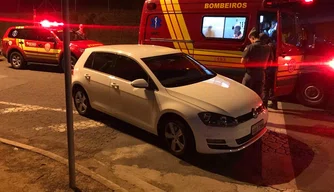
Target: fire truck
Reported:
point(215, 32)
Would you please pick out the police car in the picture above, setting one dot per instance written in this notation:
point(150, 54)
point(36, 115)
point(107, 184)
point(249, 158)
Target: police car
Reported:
point(42, 44)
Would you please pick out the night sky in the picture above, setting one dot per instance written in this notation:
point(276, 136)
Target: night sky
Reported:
point(27, 5)
point(323, 7)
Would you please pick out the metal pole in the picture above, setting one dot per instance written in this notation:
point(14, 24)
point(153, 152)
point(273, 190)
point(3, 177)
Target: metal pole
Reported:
point(68, 85)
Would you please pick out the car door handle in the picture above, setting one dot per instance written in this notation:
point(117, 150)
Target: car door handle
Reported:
point(40, 45)
point(114, 85)
point(87, 76)
point(21, 42)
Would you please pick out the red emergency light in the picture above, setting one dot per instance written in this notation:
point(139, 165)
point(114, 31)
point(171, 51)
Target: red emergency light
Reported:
point(279, 3)
point(46, 23)
point(331, 63)
point(151, 6)
point(308, 1)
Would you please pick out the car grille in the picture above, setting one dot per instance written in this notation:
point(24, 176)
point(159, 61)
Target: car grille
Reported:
point(248, 116)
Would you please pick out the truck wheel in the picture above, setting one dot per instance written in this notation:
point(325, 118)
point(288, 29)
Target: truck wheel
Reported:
point(17, 61)
point(311, 93)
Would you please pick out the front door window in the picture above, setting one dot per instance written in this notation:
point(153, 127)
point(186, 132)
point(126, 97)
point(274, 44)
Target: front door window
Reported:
point(291, 29)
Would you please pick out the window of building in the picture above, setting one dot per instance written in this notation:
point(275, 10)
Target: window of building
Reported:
point(224, 27)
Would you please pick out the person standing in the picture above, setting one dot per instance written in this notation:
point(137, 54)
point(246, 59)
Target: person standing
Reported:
point(271, 71)
point(255, 58)
point(81, 31)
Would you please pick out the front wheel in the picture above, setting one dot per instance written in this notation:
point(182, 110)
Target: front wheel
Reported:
point(178, 136)
point(311, 93)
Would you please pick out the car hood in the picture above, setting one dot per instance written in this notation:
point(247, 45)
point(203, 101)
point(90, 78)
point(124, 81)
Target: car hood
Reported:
point(219, 95)
point(86, 43)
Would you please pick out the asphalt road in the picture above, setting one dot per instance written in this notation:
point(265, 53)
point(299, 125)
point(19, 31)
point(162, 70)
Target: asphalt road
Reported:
point(296, 154)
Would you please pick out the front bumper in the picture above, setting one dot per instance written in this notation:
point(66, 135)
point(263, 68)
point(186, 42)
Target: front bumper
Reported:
point(217, 140)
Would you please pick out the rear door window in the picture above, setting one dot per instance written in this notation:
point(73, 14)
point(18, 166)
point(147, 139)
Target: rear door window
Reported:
point(127, 69)
point(15, 33)
point(100, 61)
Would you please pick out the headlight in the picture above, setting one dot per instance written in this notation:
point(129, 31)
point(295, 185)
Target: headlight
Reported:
point(217, 120)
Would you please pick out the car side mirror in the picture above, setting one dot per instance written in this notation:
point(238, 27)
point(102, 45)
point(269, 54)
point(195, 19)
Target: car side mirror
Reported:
point(140, 83)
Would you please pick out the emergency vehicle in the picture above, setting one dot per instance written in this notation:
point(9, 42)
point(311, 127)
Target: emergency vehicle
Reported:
point(215, 32)
point(41, 44)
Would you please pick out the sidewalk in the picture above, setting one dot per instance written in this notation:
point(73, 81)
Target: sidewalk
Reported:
point(22, 170)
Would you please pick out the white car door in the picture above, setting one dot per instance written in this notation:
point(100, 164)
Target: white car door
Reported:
point(97, 81)
point(135, 105)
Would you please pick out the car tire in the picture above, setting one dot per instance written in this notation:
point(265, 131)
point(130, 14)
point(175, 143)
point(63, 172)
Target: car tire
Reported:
point(311, 93)
point(73, 61)
point(81, 102)
point(177, 136)
point(17, 61)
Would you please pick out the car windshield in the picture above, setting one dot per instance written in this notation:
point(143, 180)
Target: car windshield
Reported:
point(74, 36)
point(176, 70)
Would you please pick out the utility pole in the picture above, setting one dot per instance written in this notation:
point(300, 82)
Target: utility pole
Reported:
point(68, 93)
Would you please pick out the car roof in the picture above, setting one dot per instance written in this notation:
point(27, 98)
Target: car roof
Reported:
point(37, 27)
point(136, 50)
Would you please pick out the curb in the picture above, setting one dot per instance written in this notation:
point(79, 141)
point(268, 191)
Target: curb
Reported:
point(64, 161)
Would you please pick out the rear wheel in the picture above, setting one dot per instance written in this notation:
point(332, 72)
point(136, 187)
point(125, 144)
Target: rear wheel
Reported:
point(81, 102)
point(311, 93)
point(17, 61)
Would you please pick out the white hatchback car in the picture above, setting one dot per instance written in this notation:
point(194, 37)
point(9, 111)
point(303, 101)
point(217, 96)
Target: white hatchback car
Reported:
point(170, 94)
